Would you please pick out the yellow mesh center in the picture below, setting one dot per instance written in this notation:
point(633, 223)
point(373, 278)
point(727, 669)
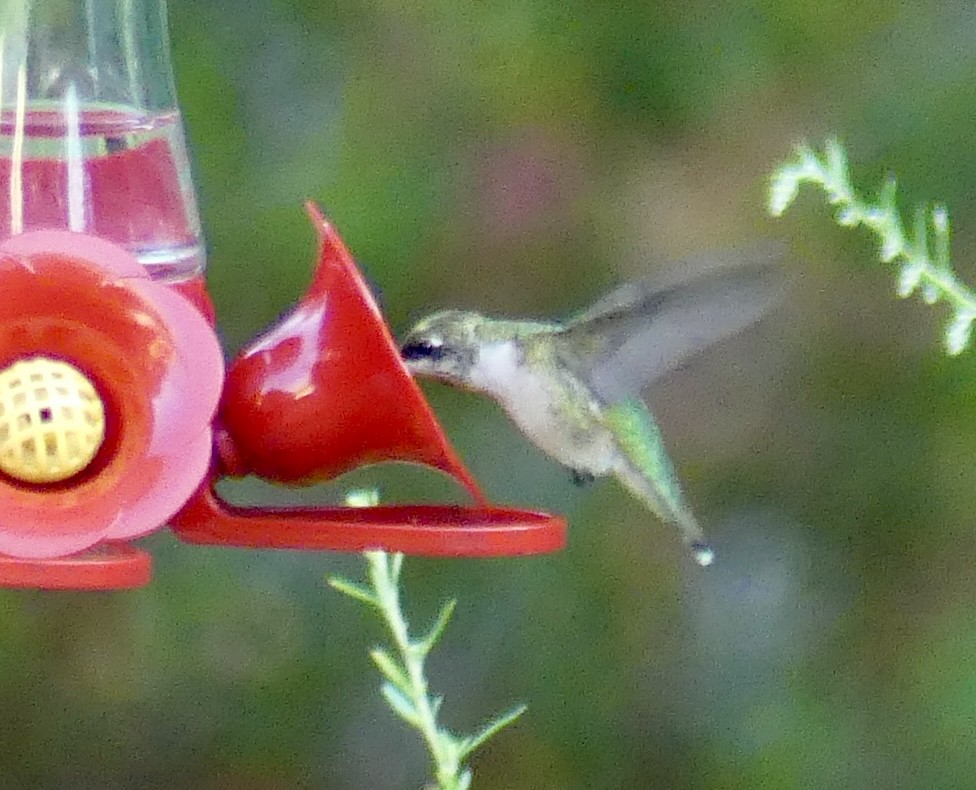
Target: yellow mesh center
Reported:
point(52, 421)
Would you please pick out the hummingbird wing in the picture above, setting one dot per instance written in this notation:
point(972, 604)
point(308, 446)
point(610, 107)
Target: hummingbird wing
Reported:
point(640, 331)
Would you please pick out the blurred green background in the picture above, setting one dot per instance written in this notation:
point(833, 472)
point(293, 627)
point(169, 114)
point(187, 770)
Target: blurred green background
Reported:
point(521, 157)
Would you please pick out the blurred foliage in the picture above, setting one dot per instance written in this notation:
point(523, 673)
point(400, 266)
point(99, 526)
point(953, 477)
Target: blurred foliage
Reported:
point(520, 157)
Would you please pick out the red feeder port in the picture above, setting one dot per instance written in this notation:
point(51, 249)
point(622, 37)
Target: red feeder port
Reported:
point(321, 393)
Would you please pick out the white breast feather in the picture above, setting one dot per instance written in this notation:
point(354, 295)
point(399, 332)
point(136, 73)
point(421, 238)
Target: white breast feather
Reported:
point(523, 394)
point(530, 404)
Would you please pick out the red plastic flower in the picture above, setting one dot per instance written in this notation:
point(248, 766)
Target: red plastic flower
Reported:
point(155, 363)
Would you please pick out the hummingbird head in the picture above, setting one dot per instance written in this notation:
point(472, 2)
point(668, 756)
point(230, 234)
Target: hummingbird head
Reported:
point(443, 346)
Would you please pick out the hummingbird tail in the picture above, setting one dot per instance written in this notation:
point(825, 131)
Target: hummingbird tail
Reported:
point(647, 472)
point(667, 504)
point(703, 553)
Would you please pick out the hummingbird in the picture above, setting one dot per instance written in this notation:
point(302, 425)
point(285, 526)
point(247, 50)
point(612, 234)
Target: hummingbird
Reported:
point(574, 387)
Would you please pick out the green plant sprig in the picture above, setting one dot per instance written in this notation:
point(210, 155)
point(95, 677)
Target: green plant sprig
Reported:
point(405, 687)
point(923, 267)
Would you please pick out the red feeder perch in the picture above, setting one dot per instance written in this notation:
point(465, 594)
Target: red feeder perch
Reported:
point(115, 416)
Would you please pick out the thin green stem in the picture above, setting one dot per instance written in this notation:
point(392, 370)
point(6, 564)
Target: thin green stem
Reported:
point(406, 688)
point(384, 572)
point(925, 267)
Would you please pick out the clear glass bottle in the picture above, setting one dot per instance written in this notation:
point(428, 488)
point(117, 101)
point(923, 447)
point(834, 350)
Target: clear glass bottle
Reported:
point(91, 138)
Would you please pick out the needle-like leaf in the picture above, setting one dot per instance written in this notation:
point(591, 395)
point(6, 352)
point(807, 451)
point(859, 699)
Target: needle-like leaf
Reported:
point(405, 686)
point(923, 266)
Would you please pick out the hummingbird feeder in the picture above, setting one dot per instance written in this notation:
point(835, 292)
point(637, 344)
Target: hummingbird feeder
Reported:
point(117, 414)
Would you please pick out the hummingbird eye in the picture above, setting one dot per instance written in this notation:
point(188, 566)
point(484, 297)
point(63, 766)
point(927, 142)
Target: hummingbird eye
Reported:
point(424, 349)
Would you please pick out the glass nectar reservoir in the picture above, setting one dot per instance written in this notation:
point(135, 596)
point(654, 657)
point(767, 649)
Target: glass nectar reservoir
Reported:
point(91, 138)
